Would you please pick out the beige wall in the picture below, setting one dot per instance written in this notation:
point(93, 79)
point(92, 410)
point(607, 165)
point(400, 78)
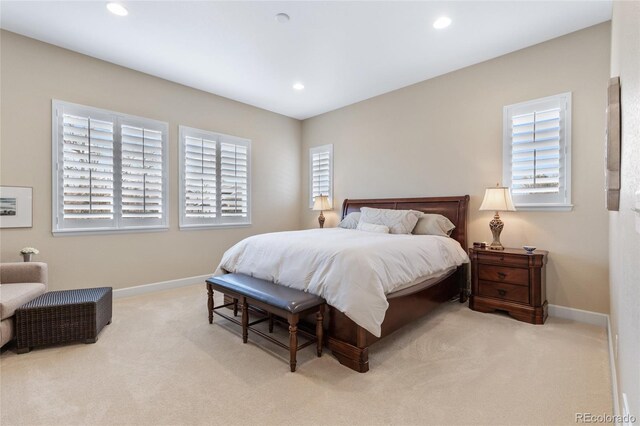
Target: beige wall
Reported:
point(624, 225)
point(444, 137)
point(32, 73)
point(439, 137)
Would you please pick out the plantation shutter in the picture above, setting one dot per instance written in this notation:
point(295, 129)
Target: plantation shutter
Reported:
point(200, 178)
point(215, 178)
point(321, 168)
point(109, 170)
point(142, 170)
point(537, 155)
point(535, 141)
point(87, 168)
point(234, 183)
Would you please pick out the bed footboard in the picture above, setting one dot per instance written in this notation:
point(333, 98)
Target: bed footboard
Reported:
point(350, 343)
point(349, 355)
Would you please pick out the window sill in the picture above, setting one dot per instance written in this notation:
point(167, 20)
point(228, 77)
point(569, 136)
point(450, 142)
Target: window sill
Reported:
point(197, 227)
point(97, 231)
point(544, 207)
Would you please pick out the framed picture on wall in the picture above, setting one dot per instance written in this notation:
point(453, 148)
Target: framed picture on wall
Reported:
point(612, 152)
point(16, 207)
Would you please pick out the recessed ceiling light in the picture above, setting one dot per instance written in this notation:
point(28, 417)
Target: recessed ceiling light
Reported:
point(282, 18)
point(442, 22)
point(117, 9)
point(298, 86)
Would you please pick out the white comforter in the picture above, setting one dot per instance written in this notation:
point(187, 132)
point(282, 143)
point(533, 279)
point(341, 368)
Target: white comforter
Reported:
point(352, 270)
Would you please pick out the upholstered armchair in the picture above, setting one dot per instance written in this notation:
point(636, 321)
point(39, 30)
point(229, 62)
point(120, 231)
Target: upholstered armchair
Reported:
point(19, 283)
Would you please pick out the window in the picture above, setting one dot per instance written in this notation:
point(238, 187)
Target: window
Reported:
point(321, 173)
point(214, 179)
point(537, 153)
point(109, 171)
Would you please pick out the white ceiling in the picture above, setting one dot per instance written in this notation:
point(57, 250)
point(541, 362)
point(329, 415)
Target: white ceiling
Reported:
point(343, 52)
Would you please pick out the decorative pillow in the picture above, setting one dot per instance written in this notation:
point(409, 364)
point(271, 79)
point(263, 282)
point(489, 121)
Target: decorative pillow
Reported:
point(350, 221)
point(433, 224)
point(370, 227)
point(398, 221)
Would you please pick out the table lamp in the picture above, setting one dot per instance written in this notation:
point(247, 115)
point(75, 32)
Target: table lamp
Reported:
point(320, 203)
point(497, 199)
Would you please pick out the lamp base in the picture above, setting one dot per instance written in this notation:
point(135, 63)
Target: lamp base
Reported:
point(496, 226)
point(321, 220)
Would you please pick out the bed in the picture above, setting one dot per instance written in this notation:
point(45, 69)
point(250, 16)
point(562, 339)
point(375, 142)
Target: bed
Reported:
point(349, 342)
point(364, 276)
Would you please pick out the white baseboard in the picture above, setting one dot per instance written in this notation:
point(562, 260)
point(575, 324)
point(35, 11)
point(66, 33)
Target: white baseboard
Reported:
point(601, 320)
point(613, 371)
point(163, 285)
point(588, 317)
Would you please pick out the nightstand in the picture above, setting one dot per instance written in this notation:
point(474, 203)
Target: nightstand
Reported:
point(509, 280)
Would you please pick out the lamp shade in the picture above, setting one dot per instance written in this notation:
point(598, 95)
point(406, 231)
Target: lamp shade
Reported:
point(321, 202)
point(498, 199)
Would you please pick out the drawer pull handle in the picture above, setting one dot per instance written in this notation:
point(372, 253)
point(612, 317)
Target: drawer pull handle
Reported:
point(502, 275)
point(502, 292)
point(501, 258)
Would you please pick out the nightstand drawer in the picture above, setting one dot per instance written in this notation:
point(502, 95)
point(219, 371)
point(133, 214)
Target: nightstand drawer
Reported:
point(498, 258)
point(509, 280)
point(515, 293)
point(518, 276)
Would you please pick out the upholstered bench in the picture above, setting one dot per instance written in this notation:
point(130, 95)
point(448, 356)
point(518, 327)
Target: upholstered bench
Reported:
point(63, 316)
point(272, 298)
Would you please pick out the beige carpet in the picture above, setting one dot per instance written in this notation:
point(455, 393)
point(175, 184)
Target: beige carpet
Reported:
point(160, 362)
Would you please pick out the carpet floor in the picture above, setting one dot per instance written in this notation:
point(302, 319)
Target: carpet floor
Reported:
point(161, 363)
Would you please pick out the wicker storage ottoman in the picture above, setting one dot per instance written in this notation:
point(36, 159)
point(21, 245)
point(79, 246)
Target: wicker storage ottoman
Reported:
point(63, 316)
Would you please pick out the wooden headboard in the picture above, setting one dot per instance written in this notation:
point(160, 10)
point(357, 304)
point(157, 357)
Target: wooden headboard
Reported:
point(454, 208)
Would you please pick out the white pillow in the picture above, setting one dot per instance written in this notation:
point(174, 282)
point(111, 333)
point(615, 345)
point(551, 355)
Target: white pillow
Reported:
point(433, 224)
point(398, 221)
point(350, 221)
point(370, 227)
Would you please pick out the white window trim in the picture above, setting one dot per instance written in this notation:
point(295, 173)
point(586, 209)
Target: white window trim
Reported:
point(57, 107)
point(219, 221)
point(314, 150)
point(565, 156)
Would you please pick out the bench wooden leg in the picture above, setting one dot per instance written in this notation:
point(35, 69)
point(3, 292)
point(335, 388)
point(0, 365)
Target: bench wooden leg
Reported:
point(210, 302)
point(293, 340)
point(319, 329)
point(270, 323)
point(245, 320)
point(235, 307)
